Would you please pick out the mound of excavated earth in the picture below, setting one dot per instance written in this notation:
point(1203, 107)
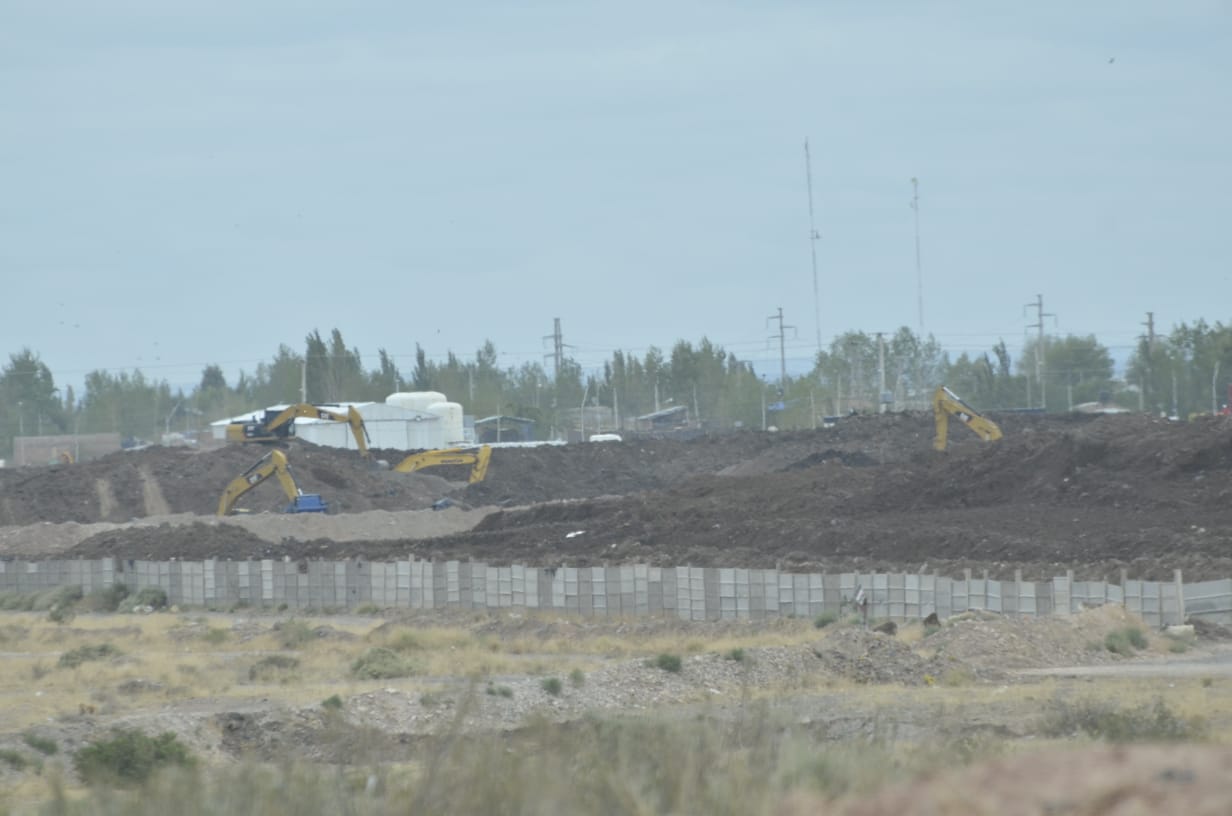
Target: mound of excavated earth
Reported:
point(1094, 494)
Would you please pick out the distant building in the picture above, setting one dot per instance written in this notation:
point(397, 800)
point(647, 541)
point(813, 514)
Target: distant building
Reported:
point(502, 428)
point(668, 419)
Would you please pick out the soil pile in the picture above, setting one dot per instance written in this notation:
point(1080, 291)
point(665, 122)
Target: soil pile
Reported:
point(1093, 494)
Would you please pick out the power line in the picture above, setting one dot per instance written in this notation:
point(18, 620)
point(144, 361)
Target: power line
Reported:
point(814, 237)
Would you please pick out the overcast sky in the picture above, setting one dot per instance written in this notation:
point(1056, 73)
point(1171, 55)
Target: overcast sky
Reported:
point(184, 183)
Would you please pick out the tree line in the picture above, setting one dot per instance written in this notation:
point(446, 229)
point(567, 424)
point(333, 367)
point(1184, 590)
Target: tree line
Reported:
point(1180, 373)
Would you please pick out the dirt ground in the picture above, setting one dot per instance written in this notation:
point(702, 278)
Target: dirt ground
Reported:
point(1093, 494)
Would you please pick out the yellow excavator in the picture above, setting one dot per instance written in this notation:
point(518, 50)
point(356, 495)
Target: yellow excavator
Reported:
point(478, 458)
point(947, 404)
point(276, 426)
point(273, 463)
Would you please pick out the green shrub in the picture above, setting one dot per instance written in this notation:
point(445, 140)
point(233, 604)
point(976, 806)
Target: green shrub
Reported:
point(381, 664)
point(503, 691)
point(1104, 720)
point(105, 600)
point(153, 597)
point(736, 654)
point(60, 596)
point(1125, 641)
point(332, 702)
point(129, 757)
point(576, 678)
point(82, 654)
point(272, 667)
point(825, 619)
point(44, 745)
point(14, 759)
point(931, 629)
point(368, 609)
point(1178, 647)
point(668, 663)
point(17, 601)
point(215, 635)
point(61, 614)
point(552, 686)
point(294, 633)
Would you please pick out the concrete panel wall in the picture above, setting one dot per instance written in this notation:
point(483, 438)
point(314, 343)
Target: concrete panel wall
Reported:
point(688, 593)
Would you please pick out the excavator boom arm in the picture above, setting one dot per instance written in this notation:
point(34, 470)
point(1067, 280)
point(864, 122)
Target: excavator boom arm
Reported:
point(947, 404)
point(280, 425)
point(273, 463)
point(478, 458)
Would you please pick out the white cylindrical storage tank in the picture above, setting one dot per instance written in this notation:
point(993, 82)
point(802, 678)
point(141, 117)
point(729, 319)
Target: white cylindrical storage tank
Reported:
point(415, 400)
point(451, 421)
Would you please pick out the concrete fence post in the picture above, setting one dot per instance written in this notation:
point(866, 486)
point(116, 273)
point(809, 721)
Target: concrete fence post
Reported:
point(1180, 596)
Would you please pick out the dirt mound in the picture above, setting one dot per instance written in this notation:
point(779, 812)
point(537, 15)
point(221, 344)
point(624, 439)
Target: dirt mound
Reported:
point(165, 540)
point(871, 657)
point(1098, 781)
point(1096, 495)
point(988, 640)
point(158, 481)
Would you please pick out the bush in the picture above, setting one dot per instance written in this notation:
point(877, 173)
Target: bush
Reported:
point(105, 600)
point(130, 757)
point(381, 664)
point(668, 663)
point(552, 686)
point(736, 654)
point(16, 602)
point(43, 745)
point(332, 702)
point(1104, 720)
point(14, 758)
point(83, 654)
point(1125, 641)
point(294, 633)
point(215, 635)
point(825, 619)
point(368, 609)
point(61, 596)
point(272, 667)
point(61, 614)
point(576, 678)
point(503, 691)
point(153, 597)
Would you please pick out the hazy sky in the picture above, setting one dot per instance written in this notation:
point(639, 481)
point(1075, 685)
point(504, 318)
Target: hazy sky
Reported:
point(184, 183)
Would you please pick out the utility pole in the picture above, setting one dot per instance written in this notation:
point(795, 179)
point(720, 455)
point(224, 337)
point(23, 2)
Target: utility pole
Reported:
point(558, 348)
point(881, 403)
point(1038, 305)
point(782, 338)
point(303, 380)
point(814, 237)
point(919, 274)
point(1150, 350)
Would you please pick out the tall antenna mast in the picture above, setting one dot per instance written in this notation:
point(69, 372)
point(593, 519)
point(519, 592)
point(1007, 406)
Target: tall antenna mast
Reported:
point(919, 275)
point(814, 237)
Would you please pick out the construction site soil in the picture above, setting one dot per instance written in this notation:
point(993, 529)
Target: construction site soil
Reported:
point(1094, 494)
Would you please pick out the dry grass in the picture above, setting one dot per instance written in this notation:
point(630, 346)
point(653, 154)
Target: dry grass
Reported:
point(181, 658)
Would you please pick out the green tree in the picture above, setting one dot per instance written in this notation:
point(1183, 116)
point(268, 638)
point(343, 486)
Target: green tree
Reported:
point(29, 400)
